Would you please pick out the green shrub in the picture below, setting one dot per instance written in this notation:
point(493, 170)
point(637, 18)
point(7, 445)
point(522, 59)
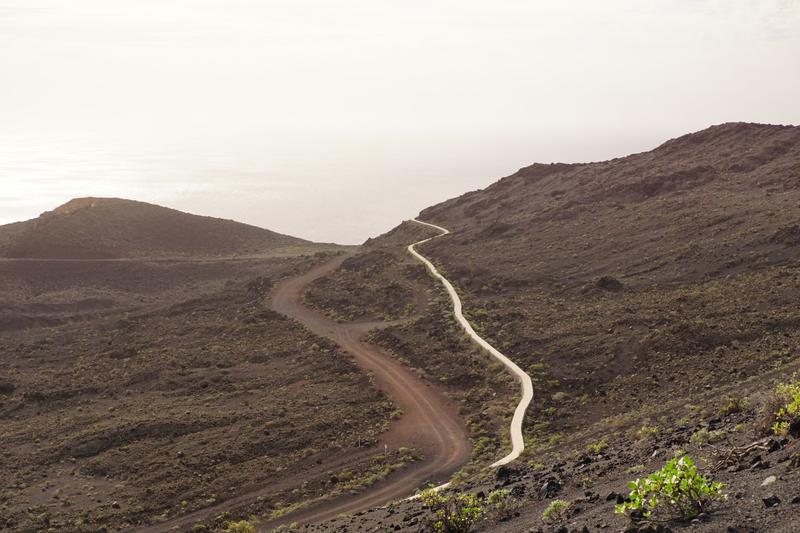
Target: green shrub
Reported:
point(456, 512)
point(648, 433)
point(677, 490)
point(787, 417)
point(498, 504)
point(242, 526)
point(597, 447)
point(497, 498)
point(557, 511)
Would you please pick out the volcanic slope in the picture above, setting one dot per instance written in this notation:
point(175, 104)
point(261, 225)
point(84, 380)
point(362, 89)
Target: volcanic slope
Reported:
point(653, 299)
point(148, 393)
point(105, 228)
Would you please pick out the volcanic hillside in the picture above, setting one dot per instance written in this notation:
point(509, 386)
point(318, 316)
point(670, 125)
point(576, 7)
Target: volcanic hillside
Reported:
point(652, 299)
point(105, 228)
point(706, 204)
point(685, 255)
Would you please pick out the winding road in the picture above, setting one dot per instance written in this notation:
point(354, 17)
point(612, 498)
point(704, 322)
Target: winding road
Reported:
point(429, 421)
point(517, 442)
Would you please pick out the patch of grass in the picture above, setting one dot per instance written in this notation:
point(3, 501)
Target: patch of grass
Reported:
point(648, 433)
point(635, 469)
point(733, 404)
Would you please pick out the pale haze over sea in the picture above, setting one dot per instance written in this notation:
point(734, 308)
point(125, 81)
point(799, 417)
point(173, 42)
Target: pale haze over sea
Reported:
point(333, 121)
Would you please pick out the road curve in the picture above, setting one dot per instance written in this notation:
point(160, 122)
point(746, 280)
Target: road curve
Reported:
point(517, 442)
point(429, 420)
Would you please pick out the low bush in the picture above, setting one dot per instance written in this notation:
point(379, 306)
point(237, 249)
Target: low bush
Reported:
point(675, 491)
point(499, 505)
point(557, 511)
point(787, 416)
point(242, 526)
point(597, 447)
point(454, 512)
point(733, 404)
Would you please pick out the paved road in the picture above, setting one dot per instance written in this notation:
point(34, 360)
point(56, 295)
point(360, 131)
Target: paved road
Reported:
point(517, 442)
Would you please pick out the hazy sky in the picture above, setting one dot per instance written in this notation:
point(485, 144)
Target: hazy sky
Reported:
point(335, 119)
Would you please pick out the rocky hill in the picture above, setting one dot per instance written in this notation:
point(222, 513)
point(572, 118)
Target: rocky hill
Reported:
point(104, 228)
point(715, 202)
point(653, 300)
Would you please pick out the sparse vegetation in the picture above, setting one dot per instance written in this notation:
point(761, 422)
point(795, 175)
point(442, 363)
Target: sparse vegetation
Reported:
point(787, 416)
point(557, 511)
point(675, 491)
point(368, 285)
point(201, 331)
point(648, 433)
point(451, 512)
point(242, 526)
point(498, 504)
point(597, 446)
point(704, 437)
point(733, 404)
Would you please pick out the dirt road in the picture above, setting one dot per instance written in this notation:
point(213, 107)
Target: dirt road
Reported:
point(429, 422)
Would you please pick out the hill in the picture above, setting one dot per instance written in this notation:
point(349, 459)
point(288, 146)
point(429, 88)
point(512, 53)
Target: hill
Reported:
point(709, 203)
point(106, 228)
point(652, 298)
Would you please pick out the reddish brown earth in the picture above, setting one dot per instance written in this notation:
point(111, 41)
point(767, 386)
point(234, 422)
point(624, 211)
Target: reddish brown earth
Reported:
point(428, 423)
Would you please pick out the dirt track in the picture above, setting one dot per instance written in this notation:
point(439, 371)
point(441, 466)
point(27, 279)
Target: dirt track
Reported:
point(429, 422)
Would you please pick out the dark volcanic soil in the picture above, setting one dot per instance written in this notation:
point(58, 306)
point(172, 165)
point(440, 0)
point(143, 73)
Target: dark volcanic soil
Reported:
point(638, 293)
point(133, 392)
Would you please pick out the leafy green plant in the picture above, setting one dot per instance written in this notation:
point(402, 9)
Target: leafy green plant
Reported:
point(455, 512)
point(787, 417)
point(677, 490)
point(556, 511)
